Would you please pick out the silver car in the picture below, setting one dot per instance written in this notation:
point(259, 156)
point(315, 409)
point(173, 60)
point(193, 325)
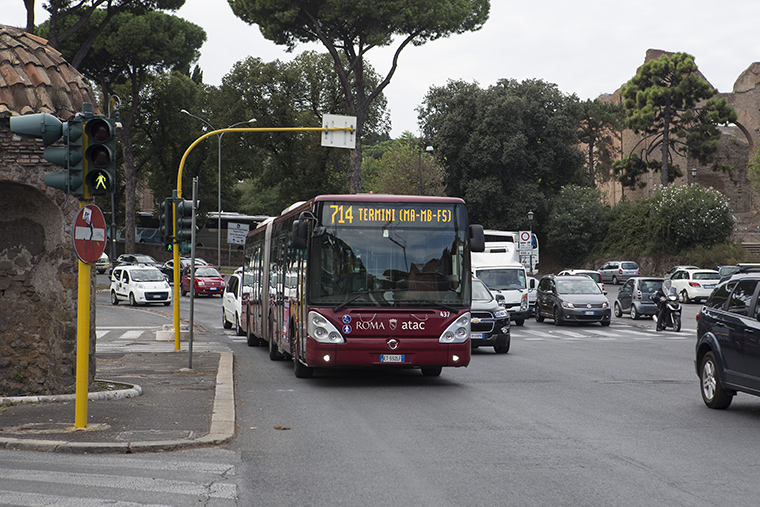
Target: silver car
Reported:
point(617, 272)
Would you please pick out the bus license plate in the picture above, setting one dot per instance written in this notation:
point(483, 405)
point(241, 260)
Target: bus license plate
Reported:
point(589, 313)
point(391, 358)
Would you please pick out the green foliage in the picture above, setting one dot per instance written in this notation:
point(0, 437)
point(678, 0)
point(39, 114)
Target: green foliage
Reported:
point(599, 124)
point(753, 172)
point(349, 29)
point(402, 166)
point(672, 220)
point(506, 149)
point(671, 104)
point(578, 219)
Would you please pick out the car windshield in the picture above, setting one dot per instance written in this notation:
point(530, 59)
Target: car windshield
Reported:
point(629, 265)
point(706, 275)
point(207, 271)
point(580, 285)
point(502, 278)
point(146, 275)
point(650, 285)
point(593, 275)
point(480, 292)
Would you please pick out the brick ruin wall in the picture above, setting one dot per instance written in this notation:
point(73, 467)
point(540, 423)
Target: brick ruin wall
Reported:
point(38, 276)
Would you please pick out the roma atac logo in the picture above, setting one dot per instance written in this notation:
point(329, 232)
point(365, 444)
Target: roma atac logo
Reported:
point(369, 324)
point(393, 323)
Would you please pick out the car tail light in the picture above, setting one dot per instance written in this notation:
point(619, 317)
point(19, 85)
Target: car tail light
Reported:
point(694, 284)
point(620, 271)
point(697, 317)
point(638, 294)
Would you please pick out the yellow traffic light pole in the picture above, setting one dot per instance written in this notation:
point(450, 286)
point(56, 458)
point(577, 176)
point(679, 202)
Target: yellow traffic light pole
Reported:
point(175, 247)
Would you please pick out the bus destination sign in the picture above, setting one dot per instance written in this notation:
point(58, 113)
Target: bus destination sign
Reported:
point(382, 213)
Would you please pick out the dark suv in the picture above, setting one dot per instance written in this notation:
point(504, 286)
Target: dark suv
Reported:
point(728, 341)
point(571, 299)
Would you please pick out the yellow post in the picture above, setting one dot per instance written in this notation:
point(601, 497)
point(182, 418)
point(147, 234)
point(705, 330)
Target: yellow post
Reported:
point(176, 273)
point(83, 344)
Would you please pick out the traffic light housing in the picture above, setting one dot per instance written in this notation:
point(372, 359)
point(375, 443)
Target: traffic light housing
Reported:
point(166, 221)
point(183, 230)
point(50, 129)
point(100, 155)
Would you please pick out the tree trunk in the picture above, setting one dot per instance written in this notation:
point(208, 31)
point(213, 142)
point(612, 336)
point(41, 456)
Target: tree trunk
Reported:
point(665, 145)
point(130, 184)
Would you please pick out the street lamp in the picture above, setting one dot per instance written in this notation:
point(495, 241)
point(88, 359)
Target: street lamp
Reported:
point(219, 183)
point(693, 175)
point(530, 223)
point(428, 148)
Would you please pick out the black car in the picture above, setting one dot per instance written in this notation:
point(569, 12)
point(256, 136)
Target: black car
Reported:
point(571, 298)
point(728, 341)
point(132, 259)
point(168, 268)
point(490, 321)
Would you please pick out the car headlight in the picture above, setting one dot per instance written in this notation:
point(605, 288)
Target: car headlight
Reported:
point(458, 331)
point(501, 313)
point(568, 304)
point(605, 305)
point(201, 282)
point(139, 286)
point(524, 303)
point(322, 329)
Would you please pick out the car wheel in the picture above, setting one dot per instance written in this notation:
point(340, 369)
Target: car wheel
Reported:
point(502, 349)
point(432, 371)
point(713, 393)
point(539, 317)
point(685, 296)
point(618, 310)
point(226, 324)
point(114, 298)
point(238, 328)
point(614, 280)
point(519, 322)
point(634, 313)
point(604, 323)
point(166, 303)
point(182, 292)
point(558, 317)
point(132, 300)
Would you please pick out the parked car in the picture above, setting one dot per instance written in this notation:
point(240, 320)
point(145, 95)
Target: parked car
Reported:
point(103, 263)
point(571, 298)
point(168, 267)
point(617, 272)
point(490, 321)
point(635, 297)
point(139, 284)
point(727, 271)
point(232, 307)
point(594, 275)
point(672, 270)
point(728, 332)
point(695, 284)
point(207, 281)
point(532, 287)
point(133, 259)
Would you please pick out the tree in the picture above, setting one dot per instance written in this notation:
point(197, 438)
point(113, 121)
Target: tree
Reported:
point(403, 166)
point(349, 29)
point(577, 221)
point(598, 124)
point(506, 149)
point(672, 105)
point(128, 52)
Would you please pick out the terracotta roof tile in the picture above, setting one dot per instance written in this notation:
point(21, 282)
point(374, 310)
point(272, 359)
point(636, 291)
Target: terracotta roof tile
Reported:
point(34, 77)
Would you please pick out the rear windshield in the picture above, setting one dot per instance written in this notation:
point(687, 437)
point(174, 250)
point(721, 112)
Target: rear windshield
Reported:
point(630, 265)
point(650, 285)
point(706, 275)
point(594, 276)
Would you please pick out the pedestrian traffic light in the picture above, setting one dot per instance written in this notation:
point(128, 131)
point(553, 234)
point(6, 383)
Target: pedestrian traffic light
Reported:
point(50, 129)
point(183, 230)
point(166, 221)
point(100, 155)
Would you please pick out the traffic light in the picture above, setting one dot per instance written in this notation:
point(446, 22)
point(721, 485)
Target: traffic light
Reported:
point(184, 227)
point(166, 221)
point(100, 155)
point(50, 129)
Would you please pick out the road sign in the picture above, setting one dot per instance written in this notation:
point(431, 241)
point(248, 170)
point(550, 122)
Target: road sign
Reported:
point(236, 233)
point(525, 242)
point(89, 233)
point(339, 138)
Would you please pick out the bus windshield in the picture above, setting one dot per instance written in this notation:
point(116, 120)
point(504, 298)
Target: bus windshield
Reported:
point(390, 254)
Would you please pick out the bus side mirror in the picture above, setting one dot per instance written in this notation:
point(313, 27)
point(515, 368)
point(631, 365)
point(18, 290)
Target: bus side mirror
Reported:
point(300, 234)
point(477, 238)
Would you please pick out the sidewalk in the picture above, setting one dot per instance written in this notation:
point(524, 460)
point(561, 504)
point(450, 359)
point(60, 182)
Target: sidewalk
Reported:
point(163, 406)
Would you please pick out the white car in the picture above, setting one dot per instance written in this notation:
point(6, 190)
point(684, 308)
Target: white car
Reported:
point(139, 284)
point(594, 275)
point(232, 307)
point(695, 284)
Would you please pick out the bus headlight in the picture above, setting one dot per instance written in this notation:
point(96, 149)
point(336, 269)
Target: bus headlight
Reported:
point(322, 330)
point(458, 331)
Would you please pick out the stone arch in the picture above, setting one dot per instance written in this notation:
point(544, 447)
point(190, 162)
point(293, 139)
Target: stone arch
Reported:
point(37, 294)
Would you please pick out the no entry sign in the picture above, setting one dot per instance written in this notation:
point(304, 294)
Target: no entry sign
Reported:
point(89, 233)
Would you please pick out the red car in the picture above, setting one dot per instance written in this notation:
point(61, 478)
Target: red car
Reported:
point(207, 281)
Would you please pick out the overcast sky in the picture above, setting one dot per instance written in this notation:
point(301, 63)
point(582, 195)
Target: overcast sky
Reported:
point(586, 47)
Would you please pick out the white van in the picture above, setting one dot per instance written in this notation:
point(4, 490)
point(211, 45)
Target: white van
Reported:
point(499, 267)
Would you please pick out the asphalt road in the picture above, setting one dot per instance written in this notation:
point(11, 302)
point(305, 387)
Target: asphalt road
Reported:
point(573, 415)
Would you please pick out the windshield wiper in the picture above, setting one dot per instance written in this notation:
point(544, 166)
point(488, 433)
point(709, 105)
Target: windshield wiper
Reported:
point(353, 296)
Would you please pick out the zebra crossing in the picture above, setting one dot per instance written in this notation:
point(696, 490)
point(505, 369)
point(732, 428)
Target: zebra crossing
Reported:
point(33, 479)
point(121, 339)
point(613, 333)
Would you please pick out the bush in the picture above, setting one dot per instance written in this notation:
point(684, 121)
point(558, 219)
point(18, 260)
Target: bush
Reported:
point(578, 219)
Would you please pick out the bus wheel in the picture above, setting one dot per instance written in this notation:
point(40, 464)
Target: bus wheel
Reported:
point(274, 354)
point(432, 371)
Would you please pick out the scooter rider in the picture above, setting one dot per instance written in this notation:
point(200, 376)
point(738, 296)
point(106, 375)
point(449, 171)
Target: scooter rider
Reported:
point(660, 297)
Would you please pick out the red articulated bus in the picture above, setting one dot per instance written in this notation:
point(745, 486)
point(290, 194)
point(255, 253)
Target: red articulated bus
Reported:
point(363, 280)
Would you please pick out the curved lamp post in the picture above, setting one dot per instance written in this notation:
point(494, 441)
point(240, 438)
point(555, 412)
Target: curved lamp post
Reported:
point(219, 183)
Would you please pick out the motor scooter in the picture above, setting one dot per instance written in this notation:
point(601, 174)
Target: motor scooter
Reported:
point(672, 313)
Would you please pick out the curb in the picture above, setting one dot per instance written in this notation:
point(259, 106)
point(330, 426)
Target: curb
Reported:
point(118, 394)
point(222, 427)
